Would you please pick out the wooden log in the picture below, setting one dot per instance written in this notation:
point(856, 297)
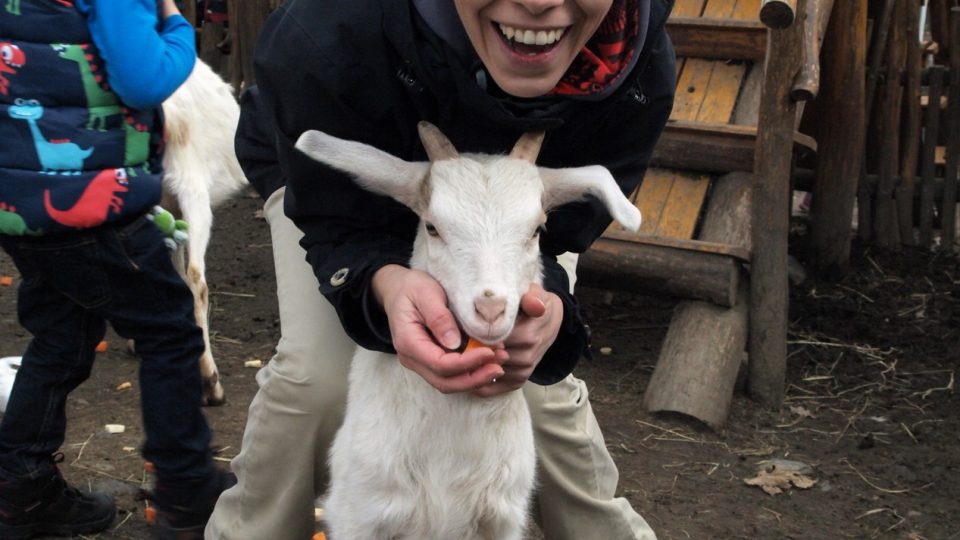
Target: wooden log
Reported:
point(700, 358)
point(727, 220)
point(771, 218)
point(928, 163)
point(660, 269)
point(778, 14)
point(699, 361)
point(948, 217)
point(715, 148)
point(840, 144)
point(720, 39)
point(911, 132)
point(806, 84)
point(886, 231)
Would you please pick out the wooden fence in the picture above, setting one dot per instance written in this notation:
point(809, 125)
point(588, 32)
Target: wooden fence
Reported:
point(908, 189)
point(228, 45)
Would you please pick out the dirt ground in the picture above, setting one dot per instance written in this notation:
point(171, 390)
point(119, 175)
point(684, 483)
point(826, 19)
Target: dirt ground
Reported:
point(871, 404)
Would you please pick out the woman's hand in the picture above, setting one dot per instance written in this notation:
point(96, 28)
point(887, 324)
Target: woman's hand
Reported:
point(416, 309)
point(537, 326)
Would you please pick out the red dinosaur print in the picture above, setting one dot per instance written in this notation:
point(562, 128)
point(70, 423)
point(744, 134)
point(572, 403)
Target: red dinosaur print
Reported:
point(94, 204)
point(12, 58)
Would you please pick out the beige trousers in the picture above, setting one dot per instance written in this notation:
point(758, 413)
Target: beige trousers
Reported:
point(294, 416)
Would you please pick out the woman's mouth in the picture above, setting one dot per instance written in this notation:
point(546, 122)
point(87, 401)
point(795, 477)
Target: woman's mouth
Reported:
point(530, 42)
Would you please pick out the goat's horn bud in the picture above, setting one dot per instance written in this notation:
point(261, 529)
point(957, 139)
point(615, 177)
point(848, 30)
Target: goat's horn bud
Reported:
point(528, 147)
point(437, 145)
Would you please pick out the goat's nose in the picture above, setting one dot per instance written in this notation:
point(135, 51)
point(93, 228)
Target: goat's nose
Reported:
point(490, 307)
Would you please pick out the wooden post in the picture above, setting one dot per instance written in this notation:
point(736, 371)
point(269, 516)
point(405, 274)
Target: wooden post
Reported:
point(246, 20)
point(212, 36)
point(702, 352)
point(189, 11)
point(911, 133)
point(878, 45)
point(806, 85)
point(840, 144)
point(948, 216)
point(939, 15)
point(778, 14)
point(771, 217)
point(928, 160)
point(886, 231)
point(876, 50)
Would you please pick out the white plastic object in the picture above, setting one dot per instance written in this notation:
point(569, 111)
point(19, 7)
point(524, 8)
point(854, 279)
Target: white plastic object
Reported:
point(8, 372)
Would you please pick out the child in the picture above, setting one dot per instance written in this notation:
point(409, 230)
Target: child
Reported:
point(79, 170)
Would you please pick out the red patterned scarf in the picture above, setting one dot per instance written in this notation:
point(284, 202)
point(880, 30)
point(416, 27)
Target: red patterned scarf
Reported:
point(608, 53)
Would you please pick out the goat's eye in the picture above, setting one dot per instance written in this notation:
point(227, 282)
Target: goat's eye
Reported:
point(540, 230)
point(431, 230)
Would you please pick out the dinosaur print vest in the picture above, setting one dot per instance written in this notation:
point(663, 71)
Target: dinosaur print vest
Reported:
point(72, 156)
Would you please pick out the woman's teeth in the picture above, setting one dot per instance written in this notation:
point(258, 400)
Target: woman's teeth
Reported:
point(530, 37)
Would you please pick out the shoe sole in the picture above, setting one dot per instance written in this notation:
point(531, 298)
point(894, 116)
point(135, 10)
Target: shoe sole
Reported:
point(32, 530)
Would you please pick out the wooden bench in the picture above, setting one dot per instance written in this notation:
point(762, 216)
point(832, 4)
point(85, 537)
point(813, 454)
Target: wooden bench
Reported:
point(696, 238)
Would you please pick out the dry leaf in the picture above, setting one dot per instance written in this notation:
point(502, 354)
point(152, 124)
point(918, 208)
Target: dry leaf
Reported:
point(780, 475)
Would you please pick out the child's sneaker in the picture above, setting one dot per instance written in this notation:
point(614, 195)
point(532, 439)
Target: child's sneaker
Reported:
point(50, 506)
point(182, 510)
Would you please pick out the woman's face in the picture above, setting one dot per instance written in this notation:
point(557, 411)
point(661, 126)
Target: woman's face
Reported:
point(527, 45)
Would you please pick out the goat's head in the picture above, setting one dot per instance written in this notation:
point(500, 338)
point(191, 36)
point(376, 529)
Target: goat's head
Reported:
point(480, 215)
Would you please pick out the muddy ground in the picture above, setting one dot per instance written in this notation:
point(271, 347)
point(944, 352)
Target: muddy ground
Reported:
point(871, 403)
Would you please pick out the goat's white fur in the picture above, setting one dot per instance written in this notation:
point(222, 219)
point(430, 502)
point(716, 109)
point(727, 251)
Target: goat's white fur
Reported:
point(200, 172)
point(410, 462)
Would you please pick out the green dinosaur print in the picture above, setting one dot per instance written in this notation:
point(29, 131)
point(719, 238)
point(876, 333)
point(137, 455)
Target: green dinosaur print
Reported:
point(11, 223)
point(13, 7)
point(137, 141)
point(101, 103)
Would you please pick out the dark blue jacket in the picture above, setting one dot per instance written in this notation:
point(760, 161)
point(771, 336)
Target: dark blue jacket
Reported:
point(369, 70)
point(72, 155)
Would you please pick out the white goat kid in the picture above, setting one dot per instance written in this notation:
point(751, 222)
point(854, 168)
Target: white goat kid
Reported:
point(200, 172)
point(410, 462)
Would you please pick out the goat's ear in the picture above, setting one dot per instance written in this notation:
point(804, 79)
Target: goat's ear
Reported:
point(372, 168)
point(561, 186)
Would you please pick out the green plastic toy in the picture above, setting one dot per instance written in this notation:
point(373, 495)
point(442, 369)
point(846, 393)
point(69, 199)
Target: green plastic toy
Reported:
point(174, 229)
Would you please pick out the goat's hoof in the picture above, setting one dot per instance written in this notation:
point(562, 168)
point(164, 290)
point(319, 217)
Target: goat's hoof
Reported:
point(213, 395)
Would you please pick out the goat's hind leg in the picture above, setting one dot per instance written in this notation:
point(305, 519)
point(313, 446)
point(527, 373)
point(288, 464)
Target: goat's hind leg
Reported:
point(196, 211)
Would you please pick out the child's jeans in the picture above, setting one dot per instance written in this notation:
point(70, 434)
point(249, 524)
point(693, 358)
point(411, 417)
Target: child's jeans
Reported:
point(72, 286)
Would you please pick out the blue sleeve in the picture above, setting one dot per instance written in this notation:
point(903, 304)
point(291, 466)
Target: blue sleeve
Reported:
point(144, 65)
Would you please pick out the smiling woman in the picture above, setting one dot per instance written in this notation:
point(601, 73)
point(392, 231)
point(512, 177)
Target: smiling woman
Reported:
point(528, 46)
point(589, 75)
